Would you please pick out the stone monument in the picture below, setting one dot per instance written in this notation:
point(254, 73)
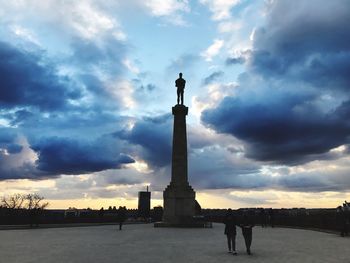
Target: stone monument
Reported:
point(179, 197)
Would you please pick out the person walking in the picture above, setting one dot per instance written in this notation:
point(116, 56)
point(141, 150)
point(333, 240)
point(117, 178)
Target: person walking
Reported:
point(271, 217)
point(247, 225)
point(121, 216)
point(230, 231)
point(341, 221)
point(263, 218)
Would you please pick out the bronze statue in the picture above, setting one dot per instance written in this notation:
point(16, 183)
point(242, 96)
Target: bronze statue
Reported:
point(180, 84)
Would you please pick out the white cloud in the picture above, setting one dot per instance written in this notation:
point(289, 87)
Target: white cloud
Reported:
point(227, 27)
point(131, 66)
point(89, 22)
point(168, 8)
point(252, 35)
point(85, 19)
point(220, 8)
point(25, 33)
point(213, 50)
point(123, 91)
point(215, 93)
point(140, 166)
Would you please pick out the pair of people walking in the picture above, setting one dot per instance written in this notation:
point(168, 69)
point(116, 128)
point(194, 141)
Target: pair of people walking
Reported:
point(246, 224)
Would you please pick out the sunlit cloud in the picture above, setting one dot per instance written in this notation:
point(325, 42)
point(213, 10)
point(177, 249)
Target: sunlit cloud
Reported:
point(220, 8)
point(212, 50)
point(131, 66)
point(170, 9)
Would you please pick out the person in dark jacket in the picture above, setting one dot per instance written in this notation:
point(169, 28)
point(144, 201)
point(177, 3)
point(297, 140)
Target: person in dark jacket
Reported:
point(247, 225)
point(230, 231)
point(271, 217)
point(263, 217)
point(121, 216)
point(341, 221)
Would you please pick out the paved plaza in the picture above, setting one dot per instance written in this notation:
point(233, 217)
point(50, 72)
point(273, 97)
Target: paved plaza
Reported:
point(144, 243)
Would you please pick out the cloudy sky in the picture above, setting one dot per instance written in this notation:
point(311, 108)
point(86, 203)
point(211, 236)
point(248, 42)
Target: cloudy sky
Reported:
point(86, 90)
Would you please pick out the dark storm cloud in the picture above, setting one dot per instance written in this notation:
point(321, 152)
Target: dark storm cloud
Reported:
point(154, 136)
point(316, 180)
point(210, 168)
point(24, 171)
point(8, 137)
point(68, 156)
point(235, 172)
point(275, 132)
point(27, 81)
point(11, 153)
point(14, 148)
point(41, 104)
point(234, 61)
point(213, 77)
point(311, 42)
point(298, 59)
point(20, 116)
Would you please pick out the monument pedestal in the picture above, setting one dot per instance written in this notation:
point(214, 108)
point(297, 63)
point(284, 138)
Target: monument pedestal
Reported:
point(179, 207)
point(179, 197)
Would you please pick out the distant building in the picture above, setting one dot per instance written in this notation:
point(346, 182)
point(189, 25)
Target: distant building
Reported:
point(144, 206)
point(75, 212)
point(71, 212)
point(157, 214)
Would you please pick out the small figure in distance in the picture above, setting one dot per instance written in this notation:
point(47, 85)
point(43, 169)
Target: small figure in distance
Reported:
point(247, 225)
point(263, 218)
point(121, 216)
point(230, 231)
point(180, 84)
point(271, 217)
point(342, 221)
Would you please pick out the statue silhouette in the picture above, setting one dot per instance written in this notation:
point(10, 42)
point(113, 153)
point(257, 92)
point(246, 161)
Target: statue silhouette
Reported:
point(180, 84)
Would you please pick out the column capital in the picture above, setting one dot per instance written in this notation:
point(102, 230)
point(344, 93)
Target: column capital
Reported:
point(180, 110)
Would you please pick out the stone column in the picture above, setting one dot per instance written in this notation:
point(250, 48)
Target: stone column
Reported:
point(179, 158)
point(179, 197)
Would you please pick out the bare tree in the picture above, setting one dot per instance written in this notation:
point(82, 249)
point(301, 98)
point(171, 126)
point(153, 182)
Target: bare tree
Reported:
point(13, 201)
point(34, 201)
point(25, 204)
point(34, 205)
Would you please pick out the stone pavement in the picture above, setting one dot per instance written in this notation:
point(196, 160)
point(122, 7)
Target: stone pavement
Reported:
point(144, 243)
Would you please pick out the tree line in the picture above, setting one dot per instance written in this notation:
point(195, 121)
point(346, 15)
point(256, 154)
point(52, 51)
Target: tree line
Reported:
point(17, 205)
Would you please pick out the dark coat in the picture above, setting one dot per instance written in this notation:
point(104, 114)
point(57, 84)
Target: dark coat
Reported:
point(121, 216)
point(230, 225)
point(247, 225)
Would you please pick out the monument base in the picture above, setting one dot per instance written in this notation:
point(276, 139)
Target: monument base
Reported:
point(179, 204)
point(179, 207)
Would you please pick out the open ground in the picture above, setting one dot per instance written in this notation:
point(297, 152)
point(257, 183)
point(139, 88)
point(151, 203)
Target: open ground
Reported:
point(144, 243)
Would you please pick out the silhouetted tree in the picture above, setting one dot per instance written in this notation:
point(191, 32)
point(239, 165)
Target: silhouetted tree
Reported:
point(14, 201)
point(35, 205)
point(32, 203)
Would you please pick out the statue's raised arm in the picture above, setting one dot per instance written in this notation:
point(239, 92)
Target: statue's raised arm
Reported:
point(180, 84)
